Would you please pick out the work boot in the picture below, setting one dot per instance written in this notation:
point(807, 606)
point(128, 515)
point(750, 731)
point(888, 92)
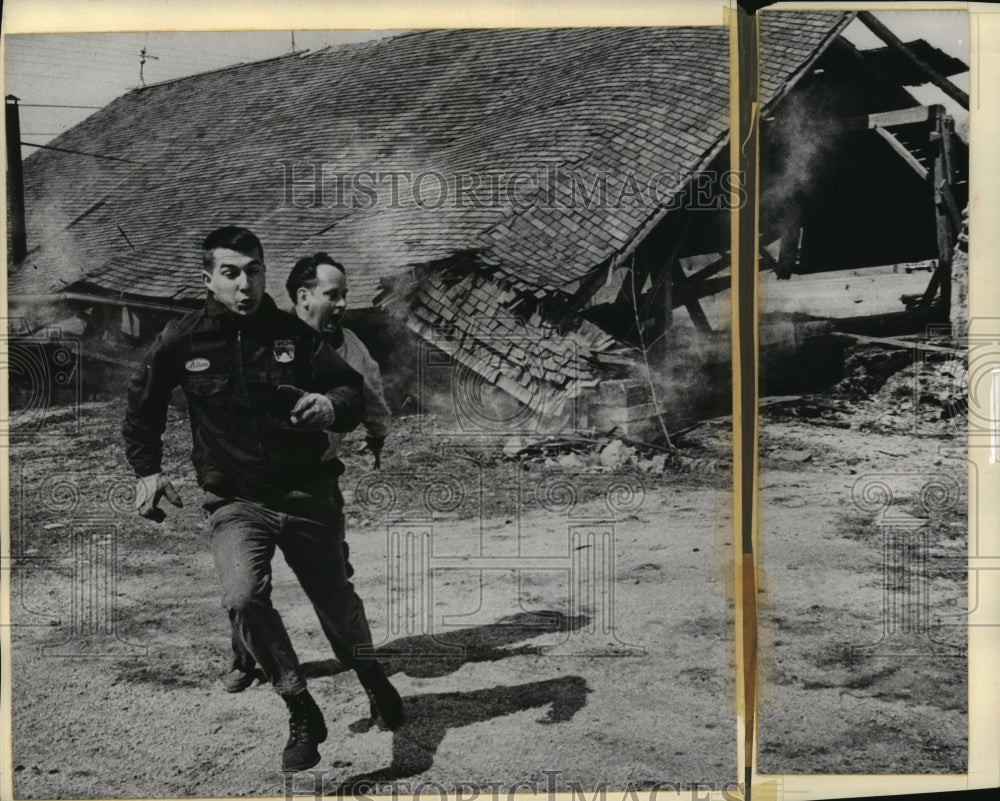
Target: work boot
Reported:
point(306, 730)
point(384, 703)
point(239, 677)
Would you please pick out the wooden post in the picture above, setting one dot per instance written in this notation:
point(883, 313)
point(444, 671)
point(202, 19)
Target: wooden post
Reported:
point(939, 182)
point(945, 238)
point(662, 296)
point(947, 149)
point(947, 132)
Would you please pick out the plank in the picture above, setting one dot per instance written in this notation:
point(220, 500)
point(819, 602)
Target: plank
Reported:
point(901, 149)
point(897, 343)
point(903, 116)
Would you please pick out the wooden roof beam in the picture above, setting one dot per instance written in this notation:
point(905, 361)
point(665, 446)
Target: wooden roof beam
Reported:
point(897, 44)
point(904, 116)
point(906, 155)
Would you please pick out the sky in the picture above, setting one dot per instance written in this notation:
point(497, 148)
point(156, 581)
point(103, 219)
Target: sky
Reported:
point(91, 70)
point(50, 72)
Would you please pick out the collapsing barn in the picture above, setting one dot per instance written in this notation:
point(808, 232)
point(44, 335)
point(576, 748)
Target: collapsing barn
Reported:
point(547, 209)
point(855, 172)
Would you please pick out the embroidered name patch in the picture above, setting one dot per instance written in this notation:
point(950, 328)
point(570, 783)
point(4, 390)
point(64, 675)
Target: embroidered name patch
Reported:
point(196, 365)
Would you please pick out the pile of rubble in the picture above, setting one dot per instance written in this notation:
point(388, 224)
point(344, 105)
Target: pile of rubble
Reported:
point(928, 397)
point(886, 388)
point(866, 369)
point(605, 455)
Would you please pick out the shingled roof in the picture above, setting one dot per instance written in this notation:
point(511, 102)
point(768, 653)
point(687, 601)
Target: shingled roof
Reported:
point(214, 149)
point(790, 42)
point(477, 279)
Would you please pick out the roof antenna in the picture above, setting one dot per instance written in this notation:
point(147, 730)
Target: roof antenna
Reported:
point(293, 42)
point(143, 55)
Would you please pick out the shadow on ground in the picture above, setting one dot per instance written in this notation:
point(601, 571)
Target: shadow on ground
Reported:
point(429, 717)
point(435, 655)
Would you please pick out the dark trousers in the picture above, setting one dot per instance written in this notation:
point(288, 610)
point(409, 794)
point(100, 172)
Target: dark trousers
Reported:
point(245, 535)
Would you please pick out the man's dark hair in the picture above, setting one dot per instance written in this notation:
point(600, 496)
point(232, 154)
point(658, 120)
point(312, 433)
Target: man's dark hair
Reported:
point(303, 274)
point(231, 237)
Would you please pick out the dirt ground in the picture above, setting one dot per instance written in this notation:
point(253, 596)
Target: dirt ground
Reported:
point(864, 527)
point(594, 646)
point(552, 624)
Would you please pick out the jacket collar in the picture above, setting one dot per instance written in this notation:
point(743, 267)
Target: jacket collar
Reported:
point(335, 337)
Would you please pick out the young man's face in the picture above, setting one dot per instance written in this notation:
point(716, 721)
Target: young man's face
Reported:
point(323, 305)
point(236, 280)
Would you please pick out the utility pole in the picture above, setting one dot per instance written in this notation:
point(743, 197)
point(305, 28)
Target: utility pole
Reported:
point(143, 55)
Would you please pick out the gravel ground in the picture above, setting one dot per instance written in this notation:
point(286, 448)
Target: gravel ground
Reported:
point(507, 675)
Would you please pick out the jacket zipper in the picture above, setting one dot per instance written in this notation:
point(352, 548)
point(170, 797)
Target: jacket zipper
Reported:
point(249, 400)
point(243, 369)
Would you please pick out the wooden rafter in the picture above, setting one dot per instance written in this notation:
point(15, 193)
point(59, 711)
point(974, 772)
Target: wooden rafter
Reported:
point(687, 294)
point(590, 284)
point(895, 43)
point(700, 289)
point(713, 268)
point(659, 299)
point(904, 152)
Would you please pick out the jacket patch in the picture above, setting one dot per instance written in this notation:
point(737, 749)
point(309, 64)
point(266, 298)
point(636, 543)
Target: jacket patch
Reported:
point(196, 365)
point(284, 350)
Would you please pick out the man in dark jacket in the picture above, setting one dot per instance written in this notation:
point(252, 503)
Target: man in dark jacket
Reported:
point(263, 390)
point(317, 285)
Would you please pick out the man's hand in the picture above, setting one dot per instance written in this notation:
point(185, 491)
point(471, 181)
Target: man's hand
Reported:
point(149, 490)
point(313, 411)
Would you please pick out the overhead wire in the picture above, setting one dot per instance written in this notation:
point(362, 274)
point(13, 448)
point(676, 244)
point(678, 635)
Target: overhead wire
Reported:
point(54, 105)
point(79, 152)
point(129, 52)
point(48, 57)
point(187, 53)
point(82, 61)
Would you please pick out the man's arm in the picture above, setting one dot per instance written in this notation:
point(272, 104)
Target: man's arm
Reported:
point(377, 417)
point(341, 384)
point(145, 420)
point(146, 415)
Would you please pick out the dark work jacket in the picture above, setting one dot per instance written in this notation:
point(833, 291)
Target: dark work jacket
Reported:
point(229, 369)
